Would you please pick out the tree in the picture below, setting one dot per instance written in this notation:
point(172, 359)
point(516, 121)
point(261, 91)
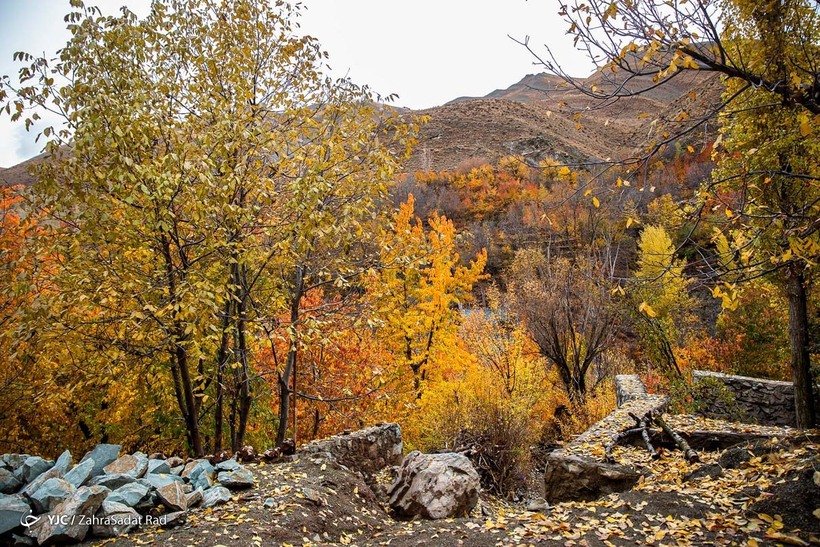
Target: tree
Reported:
point(566, 307)
point(419, 288)
point(196, 154)
point(661, 295)
point(768, 54)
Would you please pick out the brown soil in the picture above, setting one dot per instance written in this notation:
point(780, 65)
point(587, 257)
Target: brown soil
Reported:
point(768, 498)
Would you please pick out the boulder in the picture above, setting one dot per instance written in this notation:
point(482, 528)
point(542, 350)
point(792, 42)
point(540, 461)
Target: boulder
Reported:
point(435, 486)
point(134, 495)
point(32, 487)
point(50, 494)
point(201, 475)
point(80, 473)
point(216, 496)
point(172, 496)
point(173, 519)
point(368, 450)
point(158, 467)
point(228, 465)
point(570, 477)
point(174, 461)
point(69, 521)
point(158, 480)
point(247, 454)
point(241, 478)
point(64, 462)
point(112, 481)
point(14, 461)
point(9, 484)
point(134, 465)
point(194, 498)
point(114, 519)
point(12, 509)
point(33, 467)
point(102, 454)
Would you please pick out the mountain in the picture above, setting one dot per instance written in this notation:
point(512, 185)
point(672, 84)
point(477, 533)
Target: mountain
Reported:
point(536, 118)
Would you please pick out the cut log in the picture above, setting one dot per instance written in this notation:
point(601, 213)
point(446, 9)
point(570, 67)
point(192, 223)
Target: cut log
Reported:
point(690, 455)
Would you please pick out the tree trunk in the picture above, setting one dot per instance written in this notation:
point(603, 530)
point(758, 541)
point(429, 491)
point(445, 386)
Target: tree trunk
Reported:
point(799, 338)
point(244, 407)
point(290, 365)
point(221, 361)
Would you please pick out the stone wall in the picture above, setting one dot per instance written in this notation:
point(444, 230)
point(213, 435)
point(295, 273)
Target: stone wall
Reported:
point(753, 400)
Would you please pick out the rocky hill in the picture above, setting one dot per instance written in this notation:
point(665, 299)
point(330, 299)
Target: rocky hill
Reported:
point(537, 118)
point(542, 116)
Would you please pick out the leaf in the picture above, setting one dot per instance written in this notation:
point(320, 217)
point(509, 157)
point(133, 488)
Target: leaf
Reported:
point(646, 309)
point(805, 129)
point(596, 202)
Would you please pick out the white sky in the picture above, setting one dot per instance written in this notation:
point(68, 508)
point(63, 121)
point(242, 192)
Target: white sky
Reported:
point(426, 51)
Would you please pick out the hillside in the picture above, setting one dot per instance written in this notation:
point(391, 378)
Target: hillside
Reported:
point(536, 118)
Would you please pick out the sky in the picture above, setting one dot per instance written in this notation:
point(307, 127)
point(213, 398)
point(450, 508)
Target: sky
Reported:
point(428, 52)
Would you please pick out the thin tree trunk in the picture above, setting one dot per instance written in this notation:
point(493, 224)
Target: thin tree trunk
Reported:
point(188, 402)
point(242, 348)
point(799, 338)
point(290, 365)
point(221, 361)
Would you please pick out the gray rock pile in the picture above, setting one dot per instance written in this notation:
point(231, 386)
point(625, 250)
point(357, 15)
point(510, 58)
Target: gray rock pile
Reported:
point(106, 494)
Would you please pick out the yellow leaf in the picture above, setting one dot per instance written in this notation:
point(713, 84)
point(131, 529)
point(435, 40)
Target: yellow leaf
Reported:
point(647, 309)
point(729, 213)
point(595, 202)
point(691, 149)
point(629, 222)
point(805, 129)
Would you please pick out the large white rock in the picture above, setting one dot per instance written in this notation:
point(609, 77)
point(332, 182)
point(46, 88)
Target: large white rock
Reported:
point(435, 486)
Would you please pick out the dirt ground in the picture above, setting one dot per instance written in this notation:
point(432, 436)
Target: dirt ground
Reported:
point(766, 500)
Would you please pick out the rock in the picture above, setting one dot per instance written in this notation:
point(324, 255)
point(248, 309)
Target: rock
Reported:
point(157, 456)
point(173, 519)
point(269, 503)
point(158, 480)
point(33, 467)
point(132, 465)
point(14, 461)
point(174, 461)
point(32, 487)
point(9, 484)
point(114, 519)
point(201, 476)
point(367, 451)
point(435, 486)
point(80, 473)
point(12, 509)
point(112, 481)
point(134, 495)
point(194, 498)
point(157, 467)
point(538, 505)
point(216, 496)
point(219, 457)
point(177, 470)
point(569, 477)
point(228, 465)
point(50, 494)
point(172, 496)
point(628, 387)
point(69, 520)
point(102, 454)
point(246, 454)
point(241, 478)
point(64, 462)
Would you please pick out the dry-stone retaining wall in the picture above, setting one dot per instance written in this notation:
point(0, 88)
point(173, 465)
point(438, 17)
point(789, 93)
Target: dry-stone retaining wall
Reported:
point(753, 400)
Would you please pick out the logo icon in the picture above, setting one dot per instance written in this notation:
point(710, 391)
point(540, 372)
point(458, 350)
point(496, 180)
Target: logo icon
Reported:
point(29, 520)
